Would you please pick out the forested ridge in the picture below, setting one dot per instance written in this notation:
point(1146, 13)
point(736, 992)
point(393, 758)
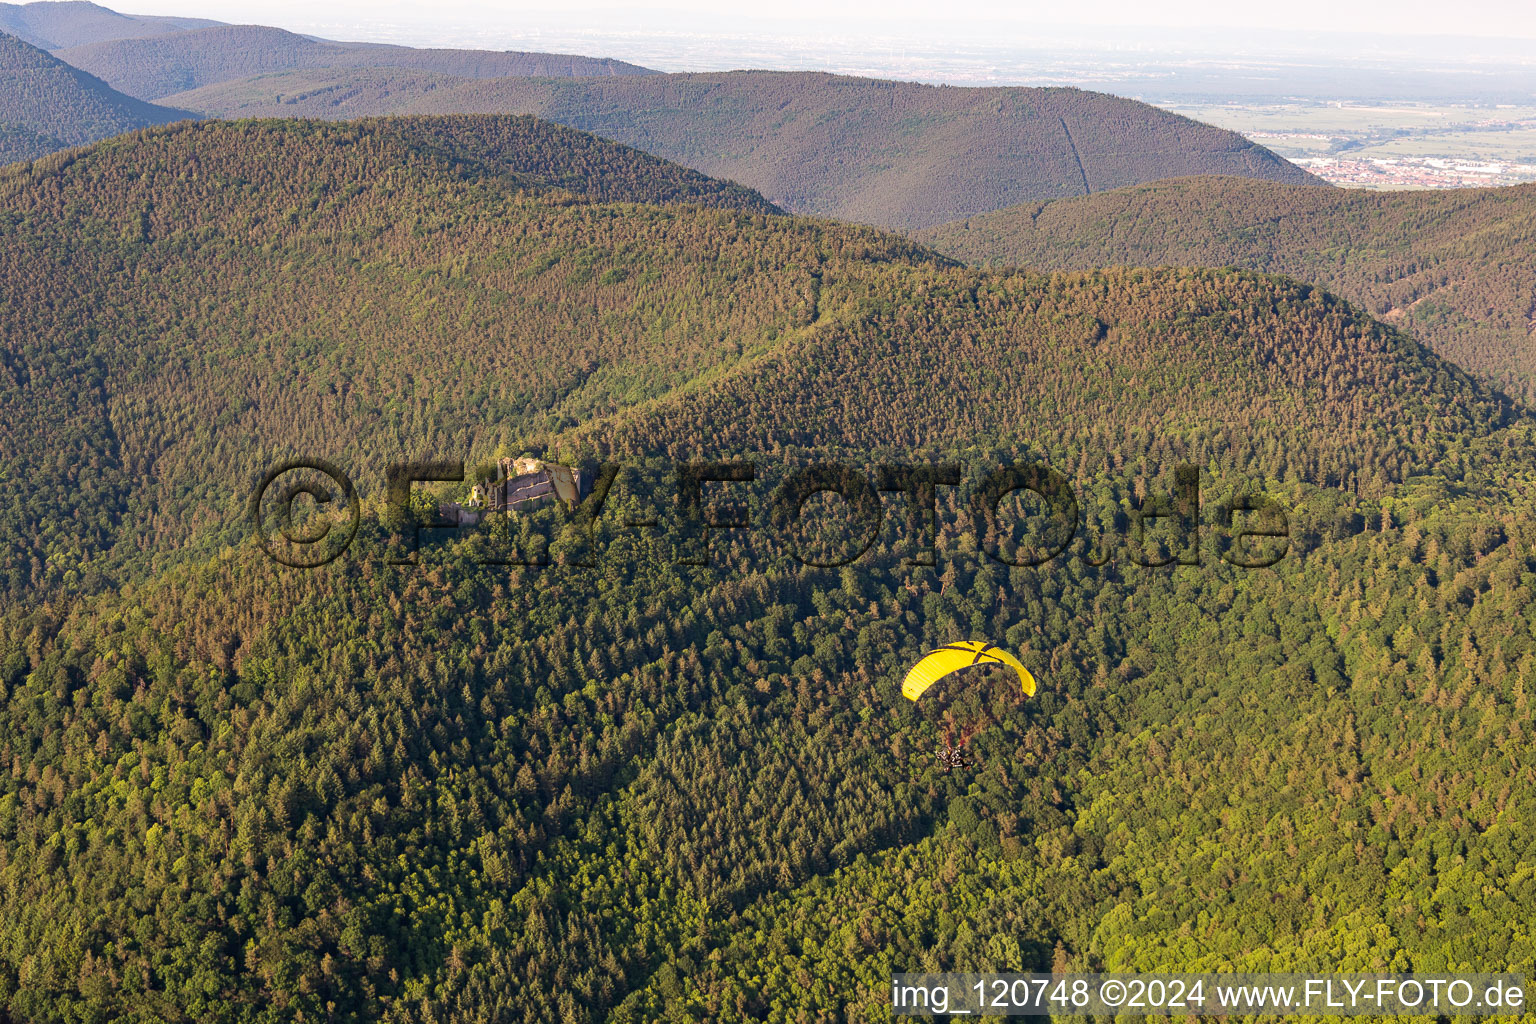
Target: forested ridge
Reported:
point(157, 66)
point(47, 105)
point(896, 154)
point(642, 790)
point(1451, 267)
point(293, 283)
point(56, 25)
point(21, 144)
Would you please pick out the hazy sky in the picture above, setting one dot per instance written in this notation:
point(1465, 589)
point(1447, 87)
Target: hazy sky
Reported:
point(375, 18)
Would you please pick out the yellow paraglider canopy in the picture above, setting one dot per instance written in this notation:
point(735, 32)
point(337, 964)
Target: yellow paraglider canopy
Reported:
point(938, 663)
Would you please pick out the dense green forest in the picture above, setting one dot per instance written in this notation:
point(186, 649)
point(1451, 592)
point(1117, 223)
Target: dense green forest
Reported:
point(897, 154)
point(1452, 267)
point(155, 67)
point(20, 144)
point(640, 789)
point(46, 105)
point(292, 283)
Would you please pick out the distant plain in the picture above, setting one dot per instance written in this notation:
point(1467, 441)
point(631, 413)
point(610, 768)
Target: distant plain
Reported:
point(1417, 134)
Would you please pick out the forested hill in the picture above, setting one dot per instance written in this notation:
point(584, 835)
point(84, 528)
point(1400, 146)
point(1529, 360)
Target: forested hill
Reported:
point(46, 105)
point(57, 24)
point(559, 307)
point(1228, 369)
point(427, 251)
point(20, 144)
point(895, 154)
point(637, 790)
point(1452, 267)
point(538, 154)
point(155, 67)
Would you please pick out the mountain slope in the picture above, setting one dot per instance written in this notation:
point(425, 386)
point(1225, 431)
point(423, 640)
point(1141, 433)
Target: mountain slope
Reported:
point(328, 92)
point(1450, 266)
point(57, 24)
point(1183, 363)
point(576, 320)
point(46, 104)
point(639, 790)
point(157, 67)
point(376, 190)
point(896, 154)
point(542, 155)
point(20, 144)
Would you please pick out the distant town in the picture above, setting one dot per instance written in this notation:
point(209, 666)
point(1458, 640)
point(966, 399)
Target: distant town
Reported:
point(1414, 172)
point(1389, 145)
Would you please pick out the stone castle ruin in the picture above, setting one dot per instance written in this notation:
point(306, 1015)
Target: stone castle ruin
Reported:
point(520, 482)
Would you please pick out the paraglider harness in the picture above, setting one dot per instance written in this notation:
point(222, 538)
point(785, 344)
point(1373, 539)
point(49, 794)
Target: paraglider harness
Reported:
point(952, 755)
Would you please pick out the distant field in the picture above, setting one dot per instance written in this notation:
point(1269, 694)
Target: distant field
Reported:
point(1407, 145)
